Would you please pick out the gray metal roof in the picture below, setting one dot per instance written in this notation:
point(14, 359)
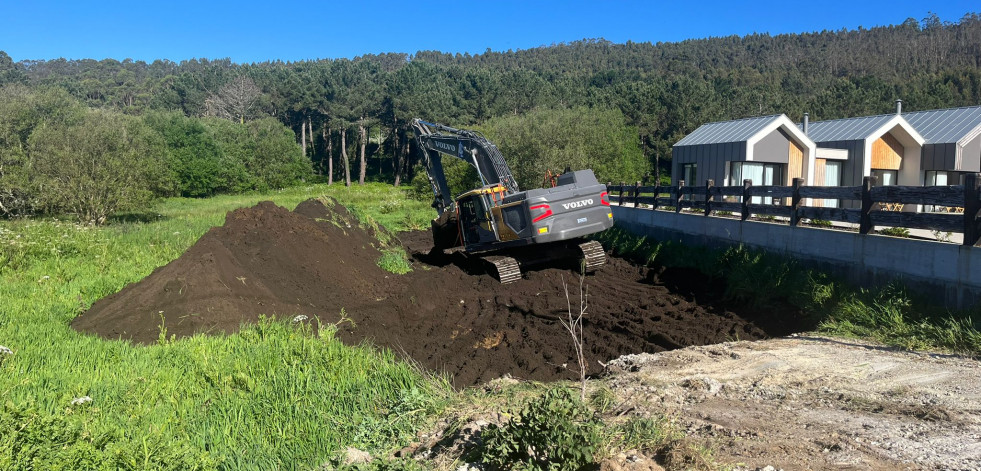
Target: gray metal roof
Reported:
point(848, 129)
point(727, 131)
point(945, 126)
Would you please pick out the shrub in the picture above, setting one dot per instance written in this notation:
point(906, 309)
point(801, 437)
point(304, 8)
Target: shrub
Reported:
point(895, 232)
point(22, 111)
point(276, 160)
point(554, 432)
point(106, 163)
point(196, 160)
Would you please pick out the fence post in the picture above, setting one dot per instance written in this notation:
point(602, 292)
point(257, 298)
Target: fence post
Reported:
point(795, 202)
point(620, 196)
point(657, 192)
point(636, 195)
point(865, 222)
point(972, 191)
point(747, 183)
point(677, 196)
point(708, 196)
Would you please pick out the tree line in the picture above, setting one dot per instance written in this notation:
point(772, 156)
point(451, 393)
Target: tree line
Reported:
point(350, 116)
point(58, 156)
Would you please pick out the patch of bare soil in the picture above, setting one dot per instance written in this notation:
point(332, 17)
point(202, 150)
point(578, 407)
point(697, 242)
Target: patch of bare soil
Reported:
point(316, 261)
point(814, 403)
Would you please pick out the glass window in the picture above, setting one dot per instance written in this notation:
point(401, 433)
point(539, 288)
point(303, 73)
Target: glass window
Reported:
point(832, 177)
point(885, 177)
point(759, 173)
point(940, 178)
point(689, 173)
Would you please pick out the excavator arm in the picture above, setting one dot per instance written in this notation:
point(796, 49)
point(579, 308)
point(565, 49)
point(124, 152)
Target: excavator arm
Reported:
point(435, 140)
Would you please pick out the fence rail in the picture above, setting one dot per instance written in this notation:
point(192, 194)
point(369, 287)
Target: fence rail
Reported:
point(879, 205)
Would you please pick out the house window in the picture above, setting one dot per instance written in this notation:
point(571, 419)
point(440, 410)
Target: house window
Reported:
point(939, 178)
point(885, 177)
point(760, 174)
point(689, 172)
point(832, 177)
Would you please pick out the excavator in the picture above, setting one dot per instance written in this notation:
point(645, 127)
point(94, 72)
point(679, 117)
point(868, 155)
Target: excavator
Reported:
point(502, 225)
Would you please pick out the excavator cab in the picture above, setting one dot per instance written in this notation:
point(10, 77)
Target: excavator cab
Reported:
point(476, 223)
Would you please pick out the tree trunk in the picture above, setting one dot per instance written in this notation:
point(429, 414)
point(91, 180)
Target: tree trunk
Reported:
point(313, 147)
point(303, 138)
point(347, 165)
point(364, 141)
point(397, 157)
point(330, 157)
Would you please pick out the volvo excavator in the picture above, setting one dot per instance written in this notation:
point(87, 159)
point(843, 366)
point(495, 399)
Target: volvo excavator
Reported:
point(502, 225)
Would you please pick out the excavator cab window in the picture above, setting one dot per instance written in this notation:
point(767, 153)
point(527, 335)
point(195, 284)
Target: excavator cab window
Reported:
point(475, 221)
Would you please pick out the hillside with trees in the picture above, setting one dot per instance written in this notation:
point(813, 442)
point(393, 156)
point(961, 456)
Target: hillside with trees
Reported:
point(216, 122)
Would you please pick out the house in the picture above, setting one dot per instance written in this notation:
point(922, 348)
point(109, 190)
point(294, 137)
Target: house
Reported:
point(769, 150)
point(952, 143)
point(886, 146)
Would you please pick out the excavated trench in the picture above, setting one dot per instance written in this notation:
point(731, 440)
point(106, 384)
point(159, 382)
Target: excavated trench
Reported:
point(316, 261)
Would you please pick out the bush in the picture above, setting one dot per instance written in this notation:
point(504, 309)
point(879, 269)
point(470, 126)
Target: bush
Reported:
point(554, 432)
point(276, 160)
point(106, 163)
point(22, 111)
point(197, 163)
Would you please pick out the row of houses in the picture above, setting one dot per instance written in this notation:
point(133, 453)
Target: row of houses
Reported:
point(936, 147)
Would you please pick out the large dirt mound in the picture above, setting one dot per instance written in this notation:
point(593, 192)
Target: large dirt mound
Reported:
point(316, 261)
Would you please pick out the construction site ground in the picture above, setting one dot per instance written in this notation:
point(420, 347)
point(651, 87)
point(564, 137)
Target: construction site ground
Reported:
point(732, 376)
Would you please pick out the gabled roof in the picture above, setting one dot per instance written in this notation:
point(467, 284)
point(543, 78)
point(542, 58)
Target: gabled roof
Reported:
point(848, 129)
point(738, 130)
point(945, 126)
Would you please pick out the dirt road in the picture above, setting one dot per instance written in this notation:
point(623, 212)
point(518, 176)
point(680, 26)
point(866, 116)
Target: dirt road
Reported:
point(813, 402)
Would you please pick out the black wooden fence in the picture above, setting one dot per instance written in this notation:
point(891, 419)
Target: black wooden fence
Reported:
point(877, 203)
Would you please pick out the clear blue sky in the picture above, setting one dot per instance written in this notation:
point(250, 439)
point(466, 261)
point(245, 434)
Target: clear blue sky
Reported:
point(252, 31)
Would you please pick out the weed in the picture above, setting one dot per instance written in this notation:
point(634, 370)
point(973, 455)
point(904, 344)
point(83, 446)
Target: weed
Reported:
point(554, 432)
point(895, 232)
point(941, 236)
point(573, 325)
point(645, 433)
point(602, 399)
point(395, 260)
point(821, 223)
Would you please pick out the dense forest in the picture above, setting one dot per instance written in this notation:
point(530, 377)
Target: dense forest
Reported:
point(349, 116)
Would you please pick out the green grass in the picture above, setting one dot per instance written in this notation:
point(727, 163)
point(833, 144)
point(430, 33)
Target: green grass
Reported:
point(274, 396)
point(888, 314)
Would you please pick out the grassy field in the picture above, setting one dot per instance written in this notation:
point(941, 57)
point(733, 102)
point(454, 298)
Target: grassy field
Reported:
point(274, 396)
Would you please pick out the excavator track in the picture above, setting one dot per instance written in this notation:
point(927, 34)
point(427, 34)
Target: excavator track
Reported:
point(508, 270)
point(593, 255)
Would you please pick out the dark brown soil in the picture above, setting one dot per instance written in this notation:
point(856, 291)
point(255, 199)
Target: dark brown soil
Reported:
point(316, 261)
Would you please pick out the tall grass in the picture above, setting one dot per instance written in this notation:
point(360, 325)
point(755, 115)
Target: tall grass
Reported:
point(273, 396)
point(755, 279)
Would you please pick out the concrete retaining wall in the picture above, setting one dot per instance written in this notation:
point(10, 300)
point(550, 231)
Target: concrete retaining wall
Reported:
point(946, 273)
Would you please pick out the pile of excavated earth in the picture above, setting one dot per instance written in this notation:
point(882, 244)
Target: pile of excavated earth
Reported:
point(447, 315)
